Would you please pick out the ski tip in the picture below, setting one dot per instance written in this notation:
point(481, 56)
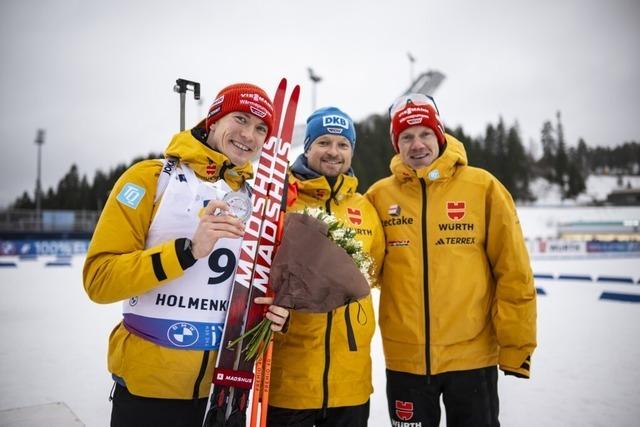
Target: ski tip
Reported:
point(296, 92)
point(283, 83)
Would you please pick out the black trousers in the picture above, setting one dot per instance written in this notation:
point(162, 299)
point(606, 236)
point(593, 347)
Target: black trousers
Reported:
point(470, 398)
point(135, 411)
point(344, 416)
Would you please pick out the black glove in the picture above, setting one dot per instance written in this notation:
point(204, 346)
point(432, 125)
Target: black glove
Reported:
point(522, 372)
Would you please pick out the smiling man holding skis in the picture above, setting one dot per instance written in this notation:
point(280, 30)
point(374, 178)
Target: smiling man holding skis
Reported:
point(166, 245)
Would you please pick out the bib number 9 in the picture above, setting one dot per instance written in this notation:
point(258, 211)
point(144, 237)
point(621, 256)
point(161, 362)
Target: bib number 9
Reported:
point(223, 262)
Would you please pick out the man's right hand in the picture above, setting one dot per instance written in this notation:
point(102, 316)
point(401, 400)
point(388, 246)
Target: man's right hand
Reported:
point(214, 226)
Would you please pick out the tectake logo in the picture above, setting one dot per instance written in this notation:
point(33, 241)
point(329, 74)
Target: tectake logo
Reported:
point(335, 120)
point(394, 210)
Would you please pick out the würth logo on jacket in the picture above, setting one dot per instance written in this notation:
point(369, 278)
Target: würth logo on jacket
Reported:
point(354, 215)
point(456, 210)
point(404, 410)
point(211, 168)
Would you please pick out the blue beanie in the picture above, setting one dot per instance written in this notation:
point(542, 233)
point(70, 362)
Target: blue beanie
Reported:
point(332, 121)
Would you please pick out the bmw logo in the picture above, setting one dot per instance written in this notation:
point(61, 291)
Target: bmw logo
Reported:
point(182, 334)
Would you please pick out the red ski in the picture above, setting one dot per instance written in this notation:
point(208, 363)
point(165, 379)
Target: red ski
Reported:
point(233, 376)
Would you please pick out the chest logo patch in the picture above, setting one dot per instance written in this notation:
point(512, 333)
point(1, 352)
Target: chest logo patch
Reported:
point(354, 215)
point(456, 210)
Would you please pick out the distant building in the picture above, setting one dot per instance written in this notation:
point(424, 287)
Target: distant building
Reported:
point(628, 230)
point(624, 197)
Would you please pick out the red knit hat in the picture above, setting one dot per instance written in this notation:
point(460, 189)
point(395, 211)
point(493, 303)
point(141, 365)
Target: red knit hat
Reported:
point(415, 109)
point(243, 97)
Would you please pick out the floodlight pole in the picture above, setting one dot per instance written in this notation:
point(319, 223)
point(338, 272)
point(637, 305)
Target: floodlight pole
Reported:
point(412, 60)
point(39, 141)
point(315, 79)
point(182, 86)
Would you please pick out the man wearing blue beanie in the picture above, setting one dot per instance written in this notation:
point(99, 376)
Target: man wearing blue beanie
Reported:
point(321, 367)
point(327, 129)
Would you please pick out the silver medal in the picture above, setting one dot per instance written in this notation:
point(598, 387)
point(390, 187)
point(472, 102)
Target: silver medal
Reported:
point(239, 204)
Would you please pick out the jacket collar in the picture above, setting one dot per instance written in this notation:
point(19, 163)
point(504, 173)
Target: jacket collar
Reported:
point(312, 185)
point(210, 165)
point(442, 168)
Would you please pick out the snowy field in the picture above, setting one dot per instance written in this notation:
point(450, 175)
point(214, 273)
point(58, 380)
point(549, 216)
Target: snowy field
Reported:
point(586, 371)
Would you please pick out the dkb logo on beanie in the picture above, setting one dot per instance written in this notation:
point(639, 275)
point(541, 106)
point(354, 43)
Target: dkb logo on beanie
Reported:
point(243, 97)
point(329, 120)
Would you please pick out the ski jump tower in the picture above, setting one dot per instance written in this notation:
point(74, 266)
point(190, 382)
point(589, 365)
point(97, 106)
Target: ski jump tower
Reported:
point(426, 83)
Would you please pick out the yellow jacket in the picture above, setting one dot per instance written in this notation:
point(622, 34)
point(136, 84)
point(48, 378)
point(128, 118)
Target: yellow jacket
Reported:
point(457, 289)
point(119, 267)
point(313, 365)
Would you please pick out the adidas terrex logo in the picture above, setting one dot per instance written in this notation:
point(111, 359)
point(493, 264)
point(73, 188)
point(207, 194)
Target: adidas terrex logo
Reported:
point(402, 220)
point(456, 241)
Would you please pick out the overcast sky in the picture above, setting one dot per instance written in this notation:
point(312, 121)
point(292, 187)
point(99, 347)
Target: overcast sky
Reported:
point(98, 75)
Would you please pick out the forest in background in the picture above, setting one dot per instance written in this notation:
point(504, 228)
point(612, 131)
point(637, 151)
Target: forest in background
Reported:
point(500, 150)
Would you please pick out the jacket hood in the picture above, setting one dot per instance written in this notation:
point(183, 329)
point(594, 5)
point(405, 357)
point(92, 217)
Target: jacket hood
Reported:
point(443, 167)
point(313, 190)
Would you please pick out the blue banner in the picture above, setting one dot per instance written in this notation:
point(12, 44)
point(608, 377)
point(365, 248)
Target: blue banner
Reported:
point(66, 247)
point(598, 246)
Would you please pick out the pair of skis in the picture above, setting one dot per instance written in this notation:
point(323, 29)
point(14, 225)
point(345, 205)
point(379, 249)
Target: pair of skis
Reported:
point(233, 375)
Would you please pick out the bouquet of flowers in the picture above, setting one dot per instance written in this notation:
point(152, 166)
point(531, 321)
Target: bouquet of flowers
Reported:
point(319, 267)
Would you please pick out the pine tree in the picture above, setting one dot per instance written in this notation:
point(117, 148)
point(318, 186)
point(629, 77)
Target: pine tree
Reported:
point(371, 161)
point(549, 150)
point(519, 169)
point(561, 163)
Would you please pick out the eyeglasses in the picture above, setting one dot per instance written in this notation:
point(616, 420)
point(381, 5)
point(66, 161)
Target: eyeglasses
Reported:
point(417, 99)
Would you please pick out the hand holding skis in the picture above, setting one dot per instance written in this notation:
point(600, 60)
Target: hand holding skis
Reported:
point(213, 227)
point(278, 315)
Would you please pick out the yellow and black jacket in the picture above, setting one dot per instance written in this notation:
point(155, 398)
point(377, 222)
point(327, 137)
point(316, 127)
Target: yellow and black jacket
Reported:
point(314, 366)
point(119, 267)
point(457, 289)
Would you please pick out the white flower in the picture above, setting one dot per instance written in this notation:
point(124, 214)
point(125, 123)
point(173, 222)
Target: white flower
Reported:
point(345, 238)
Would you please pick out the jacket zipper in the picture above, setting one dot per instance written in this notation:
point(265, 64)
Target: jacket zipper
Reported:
point(327, 361)
point(425, 267)
point(327, 336)
point(203, 368)
point(333, 193)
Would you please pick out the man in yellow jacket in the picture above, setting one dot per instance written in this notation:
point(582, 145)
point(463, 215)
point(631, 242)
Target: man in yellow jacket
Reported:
point(457, 294)
point(166, 245)
point(321, 368)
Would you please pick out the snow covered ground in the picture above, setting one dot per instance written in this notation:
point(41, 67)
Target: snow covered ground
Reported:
point(586, 371)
